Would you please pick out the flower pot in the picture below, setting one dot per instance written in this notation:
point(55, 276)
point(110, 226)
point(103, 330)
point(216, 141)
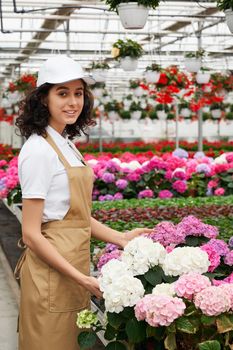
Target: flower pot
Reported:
point(125, 121)
point(216, 113)
point(129, 64)
point(206, 109)
point(192, 64)
point(113, 116)
point(154, 121)
point(152, 76)
point(202, 78)
point(162, 115)
point(99, 75)
point(132, 15)
point(229, 19)
point(185, 112)
point(136, 115)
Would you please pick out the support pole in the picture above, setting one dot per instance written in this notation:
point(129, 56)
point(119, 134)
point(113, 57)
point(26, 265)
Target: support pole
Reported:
point(100, 133)
point(67, 37)
point(177, 124)
point(200, 130)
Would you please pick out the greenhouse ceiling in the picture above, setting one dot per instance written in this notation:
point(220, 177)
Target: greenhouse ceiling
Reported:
point(86, 30)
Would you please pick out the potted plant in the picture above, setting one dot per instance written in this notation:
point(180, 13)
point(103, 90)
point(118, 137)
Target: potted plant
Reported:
point(99, 71)
point(125, 115)
point(184, 109)
point(112, 108)
point(227, 7)
point(203, 76)
point(137, 89)
point(97, 89)
point(127, 52)
point(133, 14)
point(216, 110)
point(162, 111)
point(136, 110)
point(152, 73)
point(192, 61)
point(153, 116)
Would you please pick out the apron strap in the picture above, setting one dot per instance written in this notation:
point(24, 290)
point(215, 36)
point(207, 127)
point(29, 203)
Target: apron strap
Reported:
point(49, 139)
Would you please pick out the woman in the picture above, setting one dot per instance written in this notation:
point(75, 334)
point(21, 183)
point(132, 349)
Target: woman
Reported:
point(56, 218)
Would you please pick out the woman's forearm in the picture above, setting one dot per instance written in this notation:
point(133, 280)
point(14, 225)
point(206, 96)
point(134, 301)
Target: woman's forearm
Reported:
point(106, 234)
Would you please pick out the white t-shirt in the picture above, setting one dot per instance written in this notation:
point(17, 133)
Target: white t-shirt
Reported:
point(42, 175)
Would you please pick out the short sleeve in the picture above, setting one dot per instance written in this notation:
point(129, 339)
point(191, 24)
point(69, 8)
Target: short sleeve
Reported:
point(36, 170)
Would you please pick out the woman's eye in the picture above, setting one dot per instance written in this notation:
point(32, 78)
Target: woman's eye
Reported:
point(62, 93)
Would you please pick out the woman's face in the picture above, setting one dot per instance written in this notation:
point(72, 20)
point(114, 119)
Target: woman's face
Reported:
point(65, 103)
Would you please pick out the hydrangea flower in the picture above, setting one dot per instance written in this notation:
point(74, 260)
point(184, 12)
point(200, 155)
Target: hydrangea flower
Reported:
point(213, 256)
point(184, 260)
point(191, 283)
point(141, 253)
point(181, 153)
point(86, 319)
point(166, 233)
point(212, 301)
point(229, 258)
point(121, 184)
point(165, 194)
point(180, 186)
point(219, 191)
point(219, 245)
point(108, 177)
point(146, 194)
point(159, 310)
point(164, 289)
point(115, 254)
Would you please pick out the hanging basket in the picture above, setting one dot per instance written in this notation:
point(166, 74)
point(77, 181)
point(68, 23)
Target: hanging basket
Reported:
point(129, 64)
point(202, 78)
point(216, 113)
point(192, 65)
point(152, 76)
point(132, 15)
point(162, 115)
point(136, 115)
point(229, 19)
point(99, 75)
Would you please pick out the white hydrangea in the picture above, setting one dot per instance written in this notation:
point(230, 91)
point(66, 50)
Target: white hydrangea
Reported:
point(92, 161)
point(141, 253)
point(133, 165)
point(116, 160)
point(184, 260)
point(164, 289)
point(221, 159)
point(124, 291)
point(111, 272)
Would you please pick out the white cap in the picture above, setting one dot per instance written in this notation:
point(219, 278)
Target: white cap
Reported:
point(60, 69)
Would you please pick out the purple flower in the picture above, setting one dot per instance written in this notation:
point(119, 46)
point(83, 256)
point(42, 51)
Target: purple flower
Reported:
point(107, 197)
point(121, 184)
point(229, 258)
point(166, 233)
point(118, 196)
point(115, 254)
point(110, 247)
point(199, 155)
point(113, 166)
point(146, 194)
point(192, 226)
point(219, 245)
point(180, 153)
point(108, 178)
point(203, 168)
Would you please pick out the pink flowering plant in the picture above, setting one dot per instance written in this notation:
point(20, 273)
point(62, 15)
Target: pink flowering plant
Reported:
point(165, 291)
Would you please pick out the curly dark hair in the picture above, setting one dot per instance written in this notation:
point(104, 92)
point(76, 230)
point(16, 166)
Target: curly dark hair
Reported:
point(34, 114)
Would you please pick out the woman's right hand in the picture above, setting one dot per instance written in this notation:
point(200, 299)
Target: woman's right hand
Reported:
point(92, 285)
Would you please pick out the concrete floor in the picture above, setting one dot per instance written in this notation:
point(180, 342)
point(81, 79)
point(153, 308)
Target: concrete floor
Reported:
point(8, 309)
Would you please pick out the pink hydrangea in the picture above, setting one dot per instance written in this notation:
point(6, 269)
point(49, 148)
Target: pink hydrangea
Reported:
point(146, 194)
point(228, 260)
point(166, 233)
point(228, 279)
point(108, 177)
point(121, 184)
point(228, 289)
point(159, 310)
point(3, 163)
point(180, 186)
point(118, 196)
point(191, 283)
point(134, 177)
point(212, 301)
point(219, 191)
point(192, 226)
point(220, 246)
point(212, 184)
point(165, 194)
point(229, 157)
point(115, 254)
point(214, 257)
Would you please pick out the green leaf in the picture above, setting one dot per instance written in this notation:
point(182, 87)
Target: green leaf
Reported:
point(110, 332)
point(136, 330)
point(224, 323)
point(86, 340)
point(154, 276)
point(190, 310)
point(170, 342)
point(184, 325)
point(115, 320)
point(208, 320)
point(209, 345)
point(155, 332)
point(191, 241)
point(127, 313)
point(115, 345)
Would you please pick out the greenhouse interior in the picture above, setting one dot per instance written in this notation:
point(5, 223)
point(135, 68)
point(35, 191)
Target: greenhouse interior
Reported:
point(116, 175)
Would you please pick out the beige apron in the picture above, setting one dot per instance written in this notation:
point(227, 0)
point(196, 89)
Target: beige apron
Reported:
point(50, 300)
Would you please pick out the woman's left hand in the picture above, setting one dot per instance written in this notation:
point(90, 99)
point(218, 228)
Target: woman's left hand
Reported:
point(134, 233)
